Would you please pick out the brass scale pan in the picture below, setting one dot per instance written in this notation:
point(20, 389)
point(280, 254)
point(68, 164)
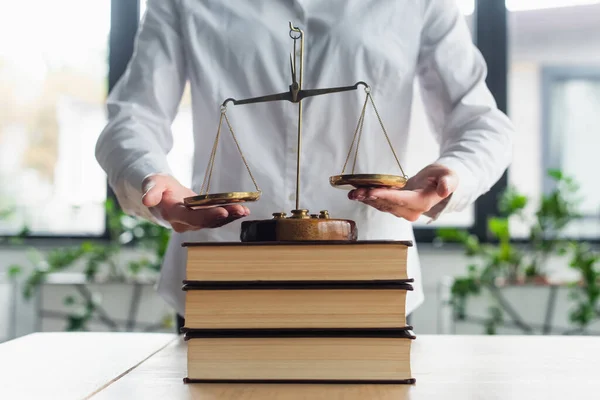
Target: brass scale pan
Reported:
point(347, 181)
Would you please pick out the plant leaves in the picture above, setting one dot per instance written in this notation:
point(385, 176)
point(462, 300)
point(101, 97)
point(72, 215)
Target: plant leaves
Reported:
point(499, 228)
point(14, 271)
point(555, 174)
point(511, 202)
point(451, 234)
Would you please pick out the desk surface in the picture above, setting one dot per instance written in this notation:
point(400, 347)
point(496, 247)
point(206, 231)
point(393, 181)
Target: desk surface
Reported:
point(71, 365)
point(152, 366)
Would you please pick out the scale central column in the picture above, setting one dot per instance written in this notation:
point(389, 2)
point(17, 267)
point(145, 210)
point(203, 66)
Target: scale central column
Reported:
point(297, 34)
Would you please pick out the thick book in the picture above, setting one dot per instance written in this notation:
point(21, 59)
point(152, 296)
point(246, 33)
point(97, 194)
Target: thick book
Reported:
point(296, 304)
point(303, 261)
point(300, 356)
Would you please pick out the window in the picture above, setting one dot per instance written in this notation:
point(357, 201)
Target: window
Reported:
point(468, 6)
point(570, 117)
point(554, 101)
point(53, 72)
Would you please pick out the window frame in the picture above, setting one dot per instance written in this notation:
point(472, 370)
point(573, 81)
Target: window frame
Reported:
point(551, 153)
point(549, 75)
point(490, 36)
point(124, 21)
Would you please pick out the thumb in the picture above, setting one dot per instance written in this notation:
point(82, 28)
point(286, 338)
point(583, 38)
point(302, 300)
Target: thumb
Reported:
point(446, 185)
point(153, 195)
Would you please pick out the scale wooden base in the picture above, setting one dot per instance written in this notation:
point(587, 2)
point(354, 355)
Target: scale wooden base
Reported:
point(300, 226)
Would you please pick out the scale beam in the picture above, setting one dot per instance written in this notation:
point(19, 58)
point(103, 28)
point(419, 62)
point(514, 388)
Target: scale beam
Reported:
point(294, 96)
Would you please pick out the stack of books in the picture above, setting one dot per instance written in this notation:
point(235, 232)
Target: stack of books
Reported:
point(323, 312)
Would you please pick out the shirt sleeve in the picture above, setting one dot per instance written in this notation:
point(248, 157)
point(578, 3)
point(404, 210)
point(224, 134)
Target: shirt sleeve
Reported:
point(475, 137)
point(141, 107)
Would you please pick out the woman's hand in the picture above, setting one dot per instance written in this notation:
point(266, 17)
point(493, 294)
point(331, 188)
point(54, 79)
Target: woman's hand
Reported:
point(426, 193)
point(165, 194)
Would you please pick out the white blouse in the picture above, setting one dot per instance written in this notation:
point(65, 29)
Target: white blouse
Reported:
point(241, 49)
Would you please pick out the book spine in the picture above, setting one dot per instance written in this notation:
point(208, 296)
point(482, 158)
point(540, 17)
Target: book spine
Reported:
point(393, 333)
point(409, 381)
point(401, 284)
point(406, 243)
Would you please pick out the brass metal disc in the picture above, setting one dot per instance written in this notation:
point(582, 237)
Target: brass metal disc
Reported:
point(355, 181)
point(220, 199)
point(299, 230)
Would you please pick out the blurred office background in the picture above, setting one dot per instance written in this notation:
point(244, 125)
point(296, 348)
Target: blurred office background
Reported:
point(523, 259)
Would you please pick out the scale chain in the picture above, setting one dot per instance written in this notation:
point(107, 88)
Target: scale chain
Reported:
point(362, 124)
point(211, 160)
point(356, 133)
point(241, 154)
point(359, 130)
point(385, 133)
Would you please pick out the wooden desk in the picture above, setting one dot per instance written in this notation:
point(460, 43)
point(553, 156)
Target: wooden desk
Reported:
point(62, 366)
point(135, 366)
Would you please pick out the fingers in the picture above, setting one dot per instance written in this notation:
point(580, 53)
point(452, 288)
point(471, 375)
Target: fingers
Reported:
point(237, 210)
point(427, 189)
point(407, 204)
point(394, 209)
point(401, 203)
point(446, 185)
point(154, 193)
point(359, 194)
point(183, 218)
point(225, 216)
point(167, 195)
point(180, 228)
point(416, 200)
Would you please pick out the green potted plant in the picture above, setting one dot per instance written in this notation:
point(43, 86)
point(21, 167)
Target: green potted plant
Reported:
point(99, 264)
point(504, 265)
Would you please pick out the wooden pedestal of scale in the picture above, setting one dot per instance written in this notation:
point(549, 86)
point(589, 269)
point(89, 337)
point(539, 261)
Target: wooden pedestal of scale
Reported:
point(302, 226)
point(299, 227)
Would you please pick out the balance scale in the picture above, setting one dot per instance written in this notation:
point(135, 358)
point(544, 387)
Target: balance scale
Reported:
point(300, 225)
